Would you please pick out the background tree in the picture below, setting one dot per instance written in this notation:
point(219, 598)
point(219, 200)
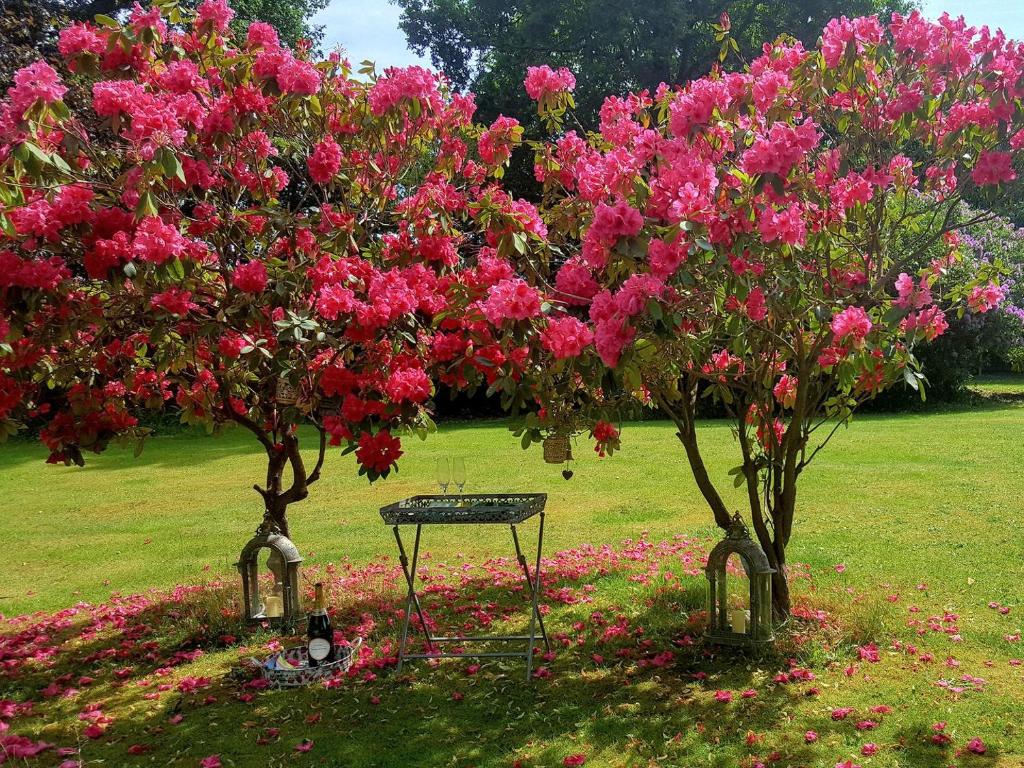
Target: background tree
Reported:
point(254, 238)
point(28, 28)
point(757, 237)
point(613, 47)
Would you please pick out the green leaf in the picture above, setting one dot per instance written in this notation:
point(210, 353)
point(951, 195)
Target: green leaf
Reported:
point(105, 21)
point(146, 206)
point(171, 165)
point(911, 379)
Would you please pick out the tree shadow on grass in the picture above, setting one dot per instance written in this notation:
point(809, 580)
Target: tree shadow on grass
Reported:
point(629, 677)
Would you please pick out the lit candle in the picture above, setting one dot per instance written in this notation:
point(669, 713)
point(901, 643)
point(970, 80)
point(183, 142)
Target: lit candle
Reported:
point(274, 607)
point(738, 619)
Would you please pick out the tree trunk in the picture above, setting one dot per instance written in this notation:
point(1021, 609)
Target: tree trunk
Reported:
point(276, 514)
point(780, 596)
point(276, 498)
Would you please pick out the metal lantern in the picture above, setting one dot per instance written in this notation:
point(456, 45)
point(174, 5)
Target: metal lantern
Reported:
point(277, 599)
point(751, 626)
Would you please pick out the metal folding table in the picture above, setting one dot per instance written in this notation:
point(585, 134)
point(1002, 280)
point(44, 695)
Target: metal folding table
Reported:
point(472, 509)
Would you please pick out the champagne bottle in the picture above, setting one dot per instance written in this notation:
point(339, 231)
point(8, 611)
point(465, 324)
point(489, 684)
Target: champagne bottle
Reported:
point(320, 632)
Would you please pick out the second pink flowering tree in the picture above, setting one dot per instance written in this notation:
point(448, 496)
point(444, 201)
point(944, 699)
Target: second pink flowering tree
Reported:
point(764, 239)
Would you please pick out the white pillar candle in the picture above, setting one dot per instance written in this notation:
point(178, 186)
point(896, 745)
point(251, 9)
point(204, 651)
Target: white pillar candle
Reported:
point(274, 607)
point(738, 619)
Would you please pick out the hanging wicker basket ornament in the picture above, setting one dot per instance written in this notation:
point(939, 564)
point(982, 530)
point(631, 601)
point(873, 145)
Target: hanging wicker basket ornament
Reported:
point(285, 393)
point(557, 449)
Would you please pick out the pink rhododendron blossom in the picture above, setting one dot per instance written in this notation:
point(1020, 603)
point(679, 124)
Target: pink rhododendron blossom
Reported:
point(174, 301)
point(785, 391)
point(36, 82)
point(497, 142)
point(566, 337)
point(408, 384)
point(786, 226)
point(325, 161)
point(157, 242)
point(985, 297)
point(993, 168)
point(250, 277)
point(930, 323)
point(261, 35)
point(852, 324)
point(298, 77)
point(543, 81)
point(610, 338)
point(511, 299)
point(614, 221)
point(80, 38)
point(216, 14)
point(378, 452)
point(912, 295)
point(402, 84)
point(755, 305)
point(576, 283)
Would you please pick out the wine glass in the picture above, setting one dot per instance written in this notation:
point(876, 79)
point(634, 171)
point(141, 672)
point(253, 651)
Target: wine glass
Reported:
point(459, 472)
point(443, 474)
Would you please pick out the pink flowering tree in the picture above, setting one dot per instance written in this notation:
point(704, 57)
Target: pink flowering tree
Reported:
point(245, 235)
point(760, 238)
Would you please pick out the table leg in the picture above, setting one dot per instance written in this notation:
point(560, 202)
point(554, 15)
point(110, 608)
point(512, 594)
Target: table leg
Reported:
point(412, 601)
point(534, 586)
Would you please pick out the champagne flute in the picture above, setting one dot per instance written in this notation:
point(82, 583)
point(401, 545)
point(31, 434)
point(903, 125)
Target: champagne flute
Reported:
point(444, 474)
point(459, 473)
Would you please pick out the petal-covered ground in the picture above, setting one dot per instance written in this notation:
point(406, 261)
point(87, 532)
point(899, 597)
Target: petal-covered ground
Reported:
point(871, 679)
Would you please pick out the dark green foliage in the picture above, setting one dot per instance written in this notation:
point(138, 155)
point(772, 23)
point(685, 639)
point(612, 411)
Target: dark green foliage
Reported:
point(28, 28)
point(612, 46)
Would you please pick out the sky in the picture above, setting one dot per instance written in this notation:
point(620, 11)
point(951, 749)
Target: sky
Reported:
point(368, 29)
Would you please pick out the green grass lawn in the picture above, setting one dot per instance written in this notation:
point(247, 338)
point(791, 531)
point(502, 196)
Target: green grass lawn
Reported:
point(906, 498)
point(999, 384)
point(929, 501)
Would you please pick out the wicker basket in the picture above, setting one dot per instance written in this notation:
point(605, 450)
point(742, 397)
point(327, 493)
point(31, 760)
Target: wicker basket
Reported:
point(285, 393)
point(303, 674)
point(557, 449)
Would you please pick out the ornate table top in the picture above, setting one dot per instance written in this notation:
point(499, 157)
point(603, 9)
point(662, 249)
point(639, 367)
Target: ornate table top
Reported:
point(505, 509)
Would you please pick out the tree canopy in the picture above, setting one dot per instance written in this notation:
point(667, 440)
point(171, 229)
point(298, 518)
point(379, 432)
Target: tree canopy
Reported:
point(253, 237)
point(762, 237)
point(612, 46)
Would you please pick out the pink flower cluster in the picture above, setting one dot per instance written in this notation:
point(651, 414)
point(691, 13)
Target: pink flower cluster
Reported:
point(250, 277)
point(851, 325)
point(566, 337)
point(511, 299)
point(38, 82)
point(544, 81)
point(781, 148)
point(325, 161)
point(401, 84)
point(985, 297)
point(408, 385)
point(214, 14)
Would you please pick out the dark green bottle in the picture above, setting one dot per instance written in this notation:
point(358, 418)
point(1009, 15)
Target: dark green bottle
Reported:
point(320, 633)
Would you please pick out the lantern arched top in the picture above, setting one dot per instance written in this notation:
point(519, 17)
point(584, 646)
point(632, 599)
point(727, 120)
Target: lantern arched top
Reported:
point(273, 541)
point(738, 542)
